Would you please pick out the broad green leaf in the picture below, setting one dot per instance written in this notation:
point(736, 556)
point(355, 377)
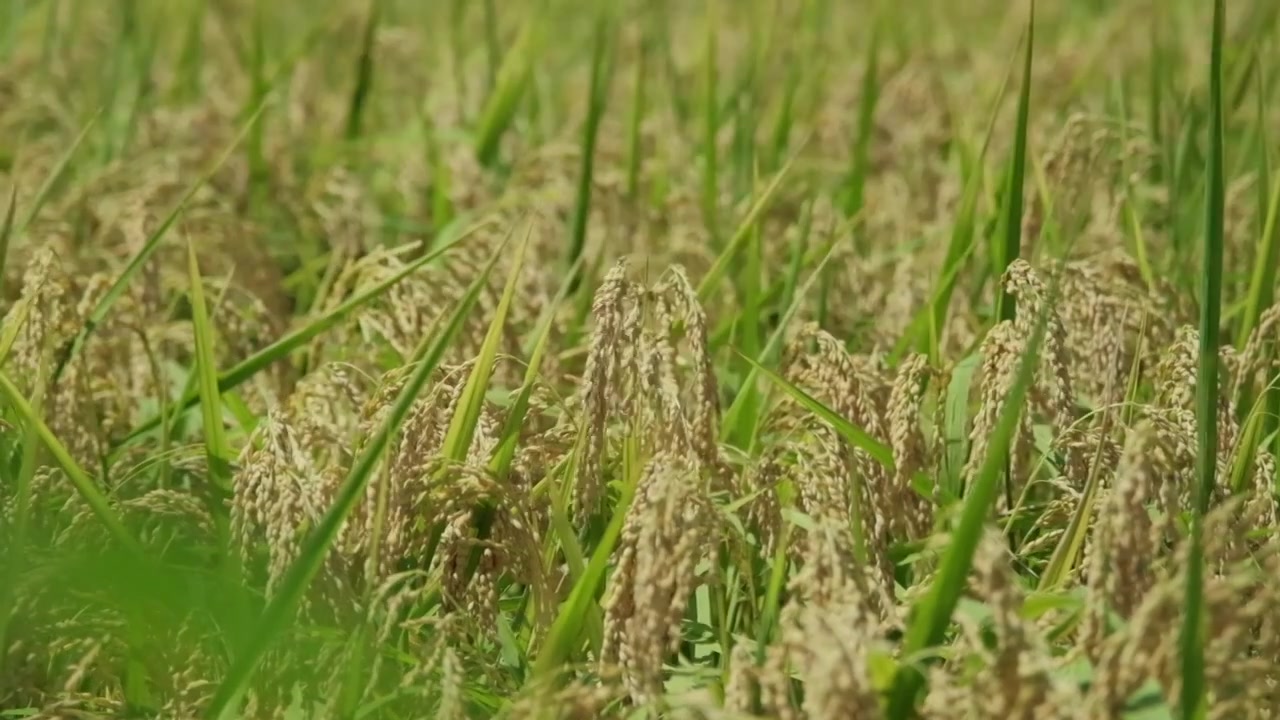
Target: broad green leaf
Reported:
point(956, 424)
point(1191, 702)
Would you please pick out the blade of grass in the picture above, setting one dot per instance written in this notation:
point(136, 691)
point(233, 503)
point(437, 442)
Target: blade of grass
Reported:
point(462, 426)
point(711, 281)
point(710, 126)
point(638, 102)
point(6, 233)
point(500, 107)
point(1011, 224)
point(148, 248)
point(1191, 701)
point(956, 424)
point(566, 629)
point(857, 178)
point(316, 546)
point(1067, 552)
point(1262, 284)
point(739, 423)
point(855, 435)
point(500, 465)
point(491, 44)
point(217, 451)
point(252, 365)
point(932, 613)
point(601, 74)
point(55, 176)
point(191, 58)
point(364, 71)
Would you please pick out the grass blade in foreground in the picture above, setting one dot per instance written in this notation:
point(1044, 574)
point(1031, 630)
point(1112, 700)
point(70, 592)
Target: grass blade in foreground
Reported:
point(1192, 648)
point(462, 426)
point(298, 578)
point(277, 350)
point(932, 614)
point(600, 76)
point(217, 450)
point(1011, 223)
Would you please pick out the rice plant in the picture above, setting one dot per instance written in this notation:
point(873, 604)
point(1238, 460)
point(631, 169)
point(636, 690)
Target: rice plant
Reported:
point(535, 360)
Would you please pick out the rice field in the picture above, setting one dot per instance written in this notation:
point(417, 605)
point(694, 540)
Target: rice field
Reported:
point(557, 359)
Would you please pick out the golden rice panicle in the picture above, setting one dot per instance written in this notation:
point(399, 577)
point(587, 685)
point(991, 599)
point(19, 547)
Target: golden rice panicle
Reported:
point(1000, 351)
point(511, 551)
point(705, 396)
point(661, 410)
point(741, 689)
point(1175, 382)
point(833, 619)
point(910, 452)
point(762, 513)
point(1145, 648)
point(832, 643)
point(668, 532)
point(1260, 359)
point(1017, 679)
point(576, 700)
point(1127, 544)
point(50, 313)
point(46, 309)
point(824, 477)
point(1053, 393)
point(1175, 373)
point(278, 492)
point(831, 468)
point(388, 519)
point(615, 333)
point(1071, 167)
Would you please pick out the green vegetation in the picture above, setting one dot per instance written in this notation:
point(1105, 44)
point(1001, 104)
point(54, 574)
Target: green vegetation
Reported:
point(374, 359)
